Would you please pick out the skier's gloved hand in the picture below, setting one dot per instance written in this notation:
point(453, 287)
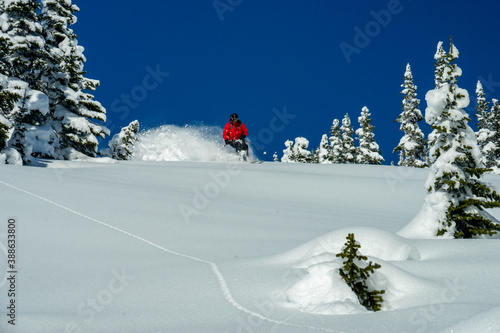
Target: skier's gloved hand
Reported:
point(243, 136)
point(227, 141)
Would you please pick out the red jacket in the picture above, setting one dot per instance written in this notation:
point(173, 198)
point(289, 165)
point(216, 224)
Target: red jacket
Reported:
point(233, 131)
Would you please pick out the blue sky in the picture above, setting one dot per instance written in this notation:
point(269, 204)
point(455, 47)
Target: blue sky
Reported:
point(288, 68)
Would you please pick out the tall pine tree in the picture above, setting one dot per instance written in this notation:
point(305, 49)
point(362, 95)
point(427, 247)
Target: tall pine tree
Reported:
point(7, 99)
point(5, 43)
point(23, 66)
point(42, 91)
point(456, 194)
point(494, 121)
point(484, 134)
point(411, 147)
point(25, 58)
point(336, 146)
point(441, 61)
point(288, 154)
point(368, 151)
point(73, 110)
point(348, 148)
point(440, 64)
point(324, 150)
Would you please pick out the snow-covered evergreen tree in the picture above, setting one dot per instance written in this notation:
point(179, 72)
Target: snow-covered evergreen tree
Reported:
point(25, 58)
point(411, 147)
point(493, 152)
point(457, 198)
point(368, 151)
point(482, 107)
point(121, 145)
point(5, 43)
point(73, 110)
point(7, 98)
point(42, 61)
point(297, 152)
point(21, 108)
point(324, 150)
point(440, 64)
point(336, 146)
point(314, 156)
point(441, 61)
point(302, 155)
point(4, 128)
point(288, 154)
point(348, 148)
point(484, 134)
point(275, 157)
point(7, 101)
point(23, 64)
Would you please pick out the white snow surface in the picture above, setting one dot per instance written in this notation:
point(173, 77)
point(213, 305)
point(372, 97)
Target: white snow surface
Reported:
point(105, 247)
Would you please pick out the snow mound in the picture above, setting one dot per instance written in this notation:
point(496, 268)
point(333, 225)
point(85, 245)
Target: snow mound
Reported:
point(425, 224)
point(323, 291)
point(10, 156)
point(187, 143)
point(374, 243)
point(74, 155)
point(486, 322)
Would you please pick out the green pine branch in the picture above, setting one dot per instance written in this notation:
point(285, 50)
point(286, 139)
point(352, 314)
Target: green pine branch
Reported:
point(356, 276)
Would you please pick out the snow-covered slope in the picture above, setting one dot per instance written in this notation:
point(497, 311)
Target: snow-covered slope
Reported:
point(190, 246)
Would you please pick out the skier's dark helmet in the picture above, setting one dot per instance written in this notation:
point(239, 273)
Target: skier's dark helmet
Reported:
point(234, 117)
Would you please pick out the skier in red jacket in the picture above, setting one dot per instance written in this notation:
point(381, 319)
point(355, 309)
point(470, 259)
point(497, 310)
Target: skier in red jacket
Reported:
point(234, 134)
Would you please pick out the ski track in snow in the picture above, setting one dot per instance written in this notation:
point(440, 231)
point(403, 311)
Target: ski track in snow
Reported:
point(224, 288)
